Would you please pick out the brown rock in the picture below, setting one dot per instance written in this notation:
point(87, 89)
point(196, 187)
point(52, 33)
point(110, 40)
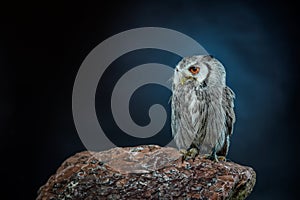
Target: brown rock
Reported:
point(146, 172)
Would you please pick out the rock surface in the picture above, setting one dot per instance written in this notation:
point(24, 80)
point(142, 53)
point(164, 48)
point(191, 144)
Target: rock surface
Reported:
point(146, 172)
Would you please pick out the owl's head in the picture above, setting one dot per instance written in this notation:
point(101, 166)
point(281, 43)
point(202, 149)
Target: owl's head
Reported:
point(200, 70)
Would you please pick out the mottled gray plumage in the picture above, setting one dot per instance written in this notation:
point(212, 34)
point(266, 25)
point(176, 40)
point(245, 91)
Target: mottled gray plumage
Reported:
point(202, 105)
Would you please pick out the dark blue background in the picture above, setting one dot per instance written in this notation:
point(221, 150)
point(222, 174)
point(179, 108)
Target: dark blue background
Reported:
point(43, 45)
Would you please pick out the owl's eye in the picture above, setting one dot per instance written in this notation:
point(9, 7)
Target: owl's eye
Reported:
point(194, 70)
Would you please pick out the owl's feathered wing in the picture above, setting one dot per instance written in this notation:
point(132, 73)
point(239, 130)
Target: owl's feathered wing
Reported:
point(228, 105)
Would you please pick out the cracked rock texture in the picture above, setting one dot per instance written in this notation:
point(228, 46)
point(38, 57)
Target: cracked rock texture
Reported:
point(146, 172)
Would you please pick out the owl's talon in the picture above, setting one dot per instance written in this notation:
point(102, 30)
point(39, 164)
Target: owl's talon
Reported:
point(184, 154)
point(189, 154)
point(183, 151)
point(222, 158)
point(193, 153)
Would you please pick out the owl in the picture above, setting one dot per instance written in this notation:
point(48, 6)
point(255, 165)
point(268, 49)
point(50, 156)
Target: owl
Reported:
point(202, 107)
